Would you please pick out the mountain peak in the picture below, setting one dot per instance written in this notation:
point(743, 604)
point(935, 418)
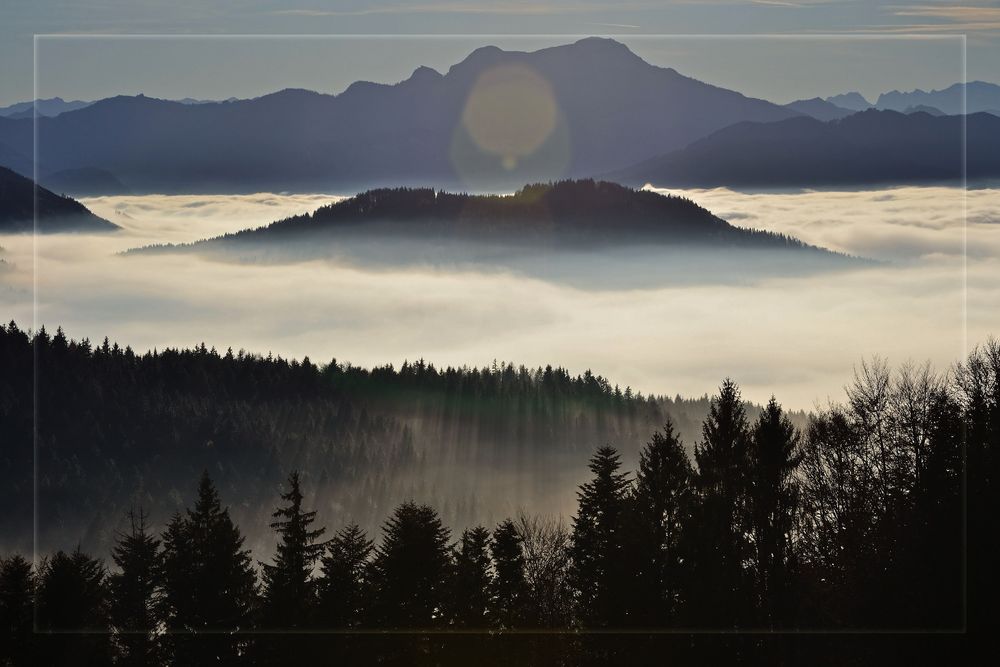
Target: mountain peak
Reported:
point(424, 74)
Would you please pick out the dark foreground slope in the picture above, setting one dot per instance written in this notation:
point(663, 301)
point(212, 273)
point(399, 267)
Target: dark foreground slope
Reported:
point(55, 213)
point(868, 148)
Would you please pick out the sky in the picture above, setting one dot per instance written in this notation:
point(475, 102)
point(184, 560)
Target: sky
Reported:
point(777, 49)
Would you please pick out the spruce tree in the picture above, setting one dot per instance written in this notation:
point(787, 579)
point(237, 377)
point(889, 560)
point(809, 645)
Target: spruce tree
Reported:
point(509, 588)
point(597, 567)
point(289, 590)
point(17, 605)
point(472, 579)
point(719, 526)
point(72, 611)
point(410, 569)
point(774, 496)
point(209, 584)
point(343, 584)
point(662, 507)
point(135, 594)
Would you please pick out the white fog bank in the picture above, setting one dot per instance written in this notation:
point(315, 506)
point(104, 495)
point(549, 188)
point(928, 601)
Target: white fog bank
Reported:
point(797, 338)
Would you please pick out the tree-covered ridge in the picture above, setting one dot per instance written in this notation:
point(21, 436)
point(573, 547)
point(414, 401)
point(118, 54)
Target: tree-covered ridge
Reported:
point(572, 210)
point(22, 202)
point(854, 523)
point(117, 428)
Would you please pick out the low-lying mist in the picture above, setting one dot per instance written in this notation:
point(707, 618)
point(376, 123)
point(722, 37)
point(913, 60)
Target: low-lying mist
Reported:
point(796, 337)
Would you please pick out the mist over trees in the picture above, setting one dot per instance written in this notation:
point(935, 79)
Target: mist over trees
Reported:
point(853, 523)
point(118, 430)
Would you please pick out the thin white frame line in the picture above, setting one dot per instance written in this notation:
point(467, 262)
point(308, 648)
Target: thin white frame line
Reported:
point(37, 37)
point(872, 36)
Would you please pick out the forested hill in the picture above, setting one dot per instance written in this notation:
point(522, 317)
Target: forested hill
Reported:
point(118, 428)
point(562, 212)
point(55, 213)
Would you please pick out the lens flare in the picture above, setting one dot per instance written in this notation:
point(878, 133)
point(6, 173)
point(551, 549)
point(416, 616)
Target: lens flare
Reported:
point(510, 112)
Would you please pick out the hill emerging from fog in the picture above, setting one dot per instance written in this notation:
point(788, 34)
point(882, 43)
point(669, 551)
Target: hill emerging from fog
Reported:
point(556, 215)
point(55, 212)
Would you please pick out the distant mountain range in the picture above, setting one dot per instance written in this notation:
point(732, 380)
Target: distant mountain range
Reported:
point(869, 147)
point(492, 122)
point(980, 97)
point(52, 106)
point(55, 213)
point(495, 120)
point(819, 109)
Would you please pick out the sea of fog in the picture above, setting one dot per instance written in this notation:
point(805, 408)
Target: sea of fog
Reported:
point(937, 291)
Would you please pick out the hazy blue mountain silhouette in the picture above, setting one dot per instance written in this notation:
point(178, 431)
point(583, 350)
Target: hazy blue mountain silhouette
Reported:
point(52, 106)
point(84, 182)
point(819, 109)
point(612, 109)
point(853, 101)
point(923, 108)
point(55, 213)
point(869, 147)
point(980, 96)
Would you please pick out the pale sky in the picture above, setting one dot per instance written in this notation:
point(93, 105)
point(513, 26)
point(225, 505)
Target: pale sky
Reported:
point(788, 49)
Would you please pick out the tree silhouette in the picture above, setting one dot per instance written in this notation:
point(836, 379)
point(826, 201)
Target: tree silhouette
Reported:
point(719, 593)
point(72, 606)
point(135, 594)
point(17, 607)
point(509, 586)
point(598, 568)
point(209, 585)
point(472, 579)
point(343, 585)
point(774, 496)
point(662, 506)
point(410, 569)
point(289, 597)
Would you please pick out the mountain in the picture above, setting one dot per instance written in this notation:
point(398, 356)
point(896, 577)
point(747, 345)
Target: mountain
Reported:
point(55, 213)
point(852, 101)
point(84, 182)
point(48, 107)
point(493, 121)
point(980, 96)
point(869, 147)
point(819, 109)
point(923, 108)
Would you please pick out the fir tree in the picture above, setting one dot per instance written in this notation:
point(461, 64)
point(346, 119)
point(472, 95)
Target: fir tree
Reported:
point(410, 569)
point(598, 568)
point(135, 594)
point(343, 584)
point(662, 507)
point(719, 526)
point(72, 610)
point(17, 606)
point(472, 579)
point(774, 496)
point(509, 587)
point(209, 585)
point(289, 589)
